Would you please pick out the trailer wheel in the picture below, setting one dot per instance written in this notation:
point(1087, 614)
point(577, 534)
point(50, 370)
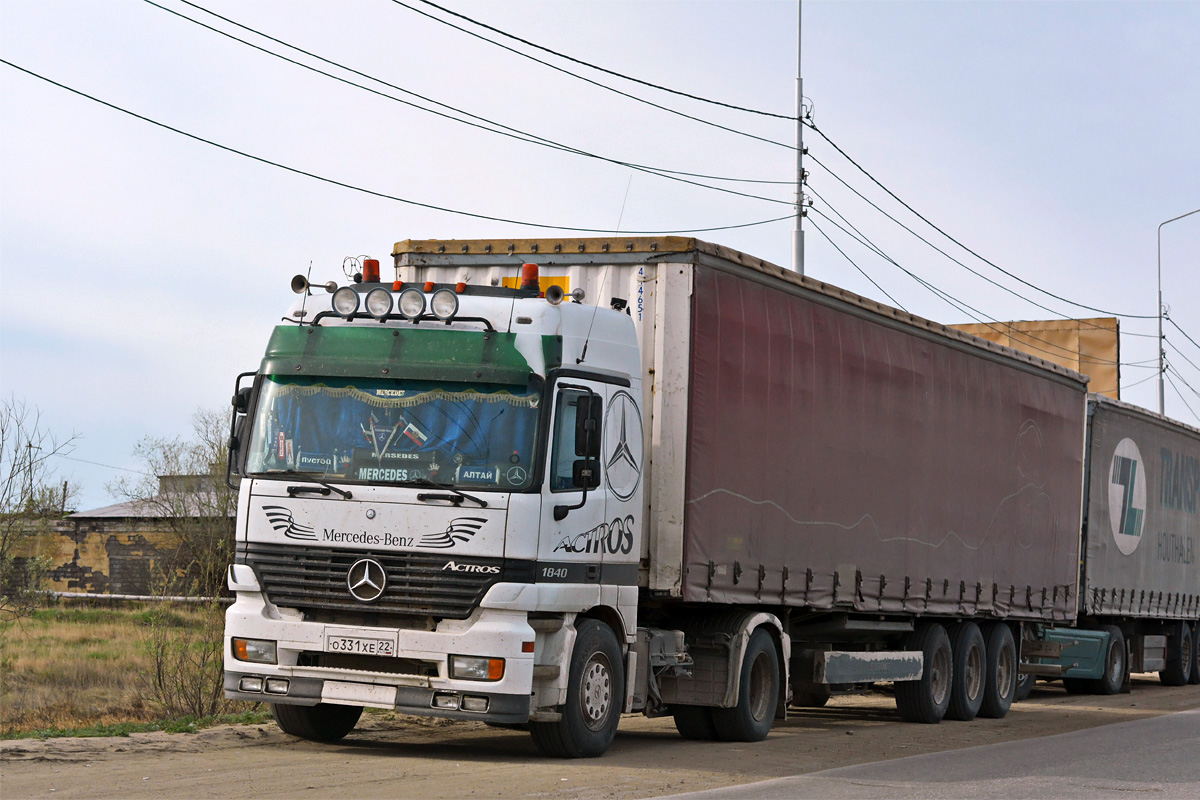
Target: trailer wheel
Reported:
point(1195, 654)
point(595, 690)
point(1114, 663)
point(758, 694)
point(1179, 657)
point(970, 671)
point(927, 698)
point(323, 722)
point(695, 723)
point(1001, 684)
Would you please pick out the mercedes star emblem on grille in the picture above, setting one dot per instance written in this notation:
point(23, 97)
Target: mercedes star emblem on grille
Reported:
point(366, 580)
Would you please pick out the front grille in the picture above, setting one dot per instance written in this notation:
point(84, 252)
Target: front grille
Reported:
point(313, 579)
point(383, 664)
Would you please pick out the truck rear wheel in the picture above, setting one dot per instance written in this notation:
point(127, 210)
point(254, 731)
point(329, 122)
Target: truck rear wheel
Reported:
point(758, 694)
point(323, 722)
point(1180, 655)
point(969, 654)
point(1001, 674)
point(927, 698)
point(595, 691)
point(1114, 663)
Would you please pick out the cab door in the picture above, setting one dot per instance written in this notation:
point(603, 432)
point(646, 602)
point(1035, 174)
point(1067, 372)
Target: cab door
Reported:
point(574, 530)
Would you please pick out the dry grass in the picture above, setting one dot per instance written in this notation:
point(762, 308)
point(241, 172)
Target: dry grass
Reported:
point(78, 666)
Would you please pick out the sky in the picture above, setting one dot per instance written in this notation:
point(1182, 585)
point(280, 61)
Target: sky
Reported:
point(141, 271)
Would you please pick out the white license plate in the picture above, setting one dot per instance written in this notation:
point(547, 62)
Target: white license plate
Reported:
point(360, 645)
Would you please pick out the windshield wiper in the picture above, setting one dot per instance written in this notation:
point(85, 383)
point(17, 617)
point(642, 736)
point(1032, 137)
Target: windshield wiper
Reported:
point(326, 489)
point(457, 500)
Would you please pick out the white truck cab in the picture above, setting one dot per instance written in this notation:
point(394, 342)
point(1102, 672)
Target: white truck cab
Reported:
point(435, 479)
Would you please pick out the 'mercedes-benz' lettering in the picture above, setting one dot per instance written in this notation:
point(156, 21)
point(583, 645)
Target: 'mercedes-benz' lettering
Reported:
point(363, 537)
point(479, 569)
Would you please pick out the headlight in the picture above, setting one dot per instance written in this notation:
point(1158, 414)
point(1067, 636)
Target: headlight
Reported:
point(474, 668)
point(411, 303)
point(379, 303)
point(259, 651)
point(345, 301)
point(444, 304)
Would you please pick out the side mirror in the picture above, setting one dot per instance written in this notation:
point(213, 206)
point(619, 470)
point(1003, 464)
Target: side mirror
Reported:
point(584, 474)
point(241, 400)
point(587, 426)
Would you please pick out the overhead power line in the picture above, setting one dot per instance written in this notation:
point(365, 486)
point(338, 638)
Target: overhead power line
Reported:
point(924, 219)
point(863, 272)
point(598, 68)
point(504, 130)
point(598, 84)
point(1181, 397)
point(1182, 331)
point(939, 250)
point(374, 193)
point(967, 309)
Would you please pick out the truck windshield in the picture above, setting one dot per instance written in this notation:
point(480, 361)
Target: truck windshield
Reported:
point(368, 430)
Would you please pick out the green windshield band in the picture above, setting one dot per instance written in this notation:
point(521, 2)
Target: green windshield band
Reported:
point(414, 353)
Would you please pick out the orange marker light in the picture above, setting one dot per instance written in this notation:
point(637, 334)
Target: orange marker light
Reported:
point(370, 270)
point(397, 286)
point(529, 276)
point(429, 286)
point(495, 669)
point(460, 287)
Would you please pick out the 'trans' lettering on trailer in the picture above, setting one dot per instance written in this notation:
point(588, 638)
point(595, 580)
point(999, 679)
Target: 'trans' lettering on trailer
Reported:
point(1180, 481)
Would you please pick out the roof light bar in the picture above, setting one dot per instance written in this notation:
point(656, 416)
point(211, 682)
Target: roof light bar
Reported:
point(444, 304)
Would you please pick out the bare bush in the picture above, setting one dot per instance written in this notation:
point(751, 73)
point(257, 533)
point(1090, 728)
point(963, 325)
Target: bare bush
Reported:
point(31, 498)
point(186, 672)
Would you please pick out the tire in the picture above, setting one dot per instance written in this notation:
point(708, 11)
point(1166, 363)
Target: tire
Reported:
point(1195, 654)
point(1000, 688)
point(595, 695)
point(323, 722)
point(1025, 681)
point(926, 699)
point(695, 723)
point(758, 694)
point(970, 671)
point(1115, 664)
point(1180, 655)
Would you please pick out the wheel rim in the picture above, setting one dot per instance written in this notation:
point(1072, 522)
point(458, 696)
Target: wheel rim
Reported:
point(973, 675)
point(596, 692)
point(760, 687)
point(1004, 672)
point(939, 676)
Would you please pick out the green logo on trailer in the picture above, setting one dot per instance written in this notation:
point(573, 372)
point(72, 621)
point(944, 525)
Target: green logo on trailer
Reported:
point(1127, 496)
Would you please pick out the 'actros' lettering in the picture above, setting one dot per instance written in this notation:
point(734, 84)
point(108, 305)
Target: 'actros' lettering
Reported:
point(480, 569)
point(612, 537)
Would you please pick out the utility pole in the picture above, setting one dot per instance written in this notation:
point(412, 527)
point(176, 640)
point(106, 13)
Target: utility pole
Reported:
point(798, 233)
point(1162, 346)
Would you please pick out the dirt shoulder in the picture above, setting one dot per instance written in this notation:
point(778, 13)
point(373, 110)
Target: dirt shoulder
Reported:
point(393, 756)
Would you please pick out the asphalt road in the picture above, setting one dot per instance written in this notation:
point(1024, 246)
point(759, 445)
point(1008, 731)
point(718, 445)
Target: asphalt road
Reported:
point(1157, 757)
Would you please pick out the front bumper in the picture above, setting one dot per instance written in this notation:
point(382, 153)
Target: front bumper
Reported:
point(300, 678)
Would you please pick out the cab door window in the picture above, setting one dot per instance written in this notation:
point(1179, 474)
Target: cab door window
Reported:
point(569, 437)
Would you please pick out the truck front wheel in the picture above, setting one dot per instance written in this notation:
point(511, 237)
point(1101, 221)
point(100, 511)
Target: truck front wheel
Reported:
point(323, 722)
point(1114, 663)
point(595, 691)
point(758, 693)
point(927, 698)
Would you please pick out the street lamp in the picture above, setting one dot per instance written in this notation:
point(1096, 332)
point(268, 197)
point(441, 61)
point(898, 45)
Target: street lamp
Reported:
point(1162, 367)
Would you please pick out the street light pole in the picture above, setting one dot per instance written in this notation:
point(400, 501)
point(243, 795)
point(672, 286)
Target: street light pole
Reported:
point(1162, 350)
point(798, 233)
